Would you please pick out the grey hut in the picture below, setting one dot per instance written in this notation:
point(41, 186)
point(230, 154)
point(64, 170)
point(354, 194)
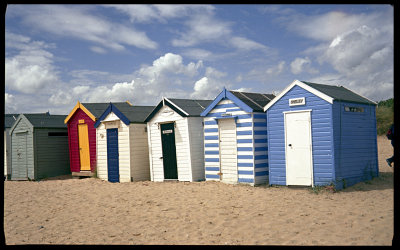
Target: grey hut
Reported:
point(39, 147)
point(9, 120)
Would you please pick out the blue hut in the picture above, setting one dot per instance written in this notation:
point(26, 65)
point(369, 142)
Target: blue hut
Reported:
point(321, 135)
point(235, 138)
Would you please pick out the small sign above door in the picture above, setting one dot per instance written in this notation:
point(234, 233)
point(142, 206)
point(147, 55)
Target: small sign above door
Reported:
point(297, 101)
point(167, 131)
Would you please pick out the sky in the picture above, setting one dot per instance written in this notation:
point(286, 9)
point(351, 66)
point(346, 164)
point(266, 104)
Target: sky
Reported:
point(56, 55)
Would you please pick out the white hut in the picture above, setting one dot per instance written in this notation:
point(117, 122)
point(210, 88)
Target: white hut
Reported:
point(176, 143)
point(122, 151)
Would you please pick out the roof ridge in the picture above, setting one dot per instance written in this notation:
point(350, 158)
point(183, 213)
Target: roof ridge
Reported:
point(258, 105)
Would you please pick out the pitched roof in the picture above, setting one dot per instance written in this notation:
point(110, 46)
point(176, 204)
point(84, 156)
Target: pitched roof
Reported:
point(190, 106)
point(256, 101)
point(126, 113)
point(97, 109)
point(9, 120)
point(135, 113)
point(46, 120)
point(249, 102)
point(339, 93)
point(184, 107)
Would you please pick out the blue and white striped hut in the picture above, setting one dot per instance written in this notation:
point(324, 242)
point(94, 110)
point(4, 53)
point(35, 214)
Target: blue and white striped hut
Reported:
point(319, 135)
point(235, 138)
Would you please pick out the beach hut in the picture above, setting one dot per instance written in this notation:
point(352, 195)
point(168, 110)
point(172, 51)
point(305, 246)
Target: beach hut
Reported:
point(82, 137)
point(321, 135)
point(122, 149)
point(235, 138)
point(39, 147)
point(9, 120)
point(176, 140)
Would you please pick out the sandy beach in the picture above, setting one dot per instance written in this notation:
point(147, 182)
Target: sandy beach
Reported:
point(63, 210)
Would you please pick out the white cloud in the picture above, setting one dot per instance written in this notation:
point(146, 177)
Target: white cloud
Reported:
point(202, 28)
point(210, 85)
point(359, 48)
point(32, 69)
point(246, 44)
point(300, 65)
point(159, 12)
point(167, 76)
point(78, 22)
point(98, 50)
point(277, 69)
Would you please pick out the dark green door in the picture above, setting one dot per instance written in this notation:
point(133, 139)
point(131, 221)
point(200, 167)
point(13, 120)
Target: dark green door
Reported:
point(169, 151)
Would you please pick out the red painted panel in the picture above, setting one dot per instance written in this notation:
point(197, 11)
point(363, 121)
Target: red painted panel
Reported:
point(73, 140)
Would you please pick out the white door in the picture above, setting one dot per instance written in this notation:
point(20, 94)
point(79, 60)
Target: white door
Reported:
point(227, 150)
point(298, 148)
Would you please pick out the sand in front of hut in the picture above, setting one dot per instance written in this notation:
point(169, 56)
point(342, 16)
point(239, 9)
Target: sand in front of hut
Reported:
point(91, 211)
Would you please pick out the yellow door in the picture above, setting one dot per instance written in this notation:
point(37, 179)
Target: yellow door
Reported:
point(84, 153)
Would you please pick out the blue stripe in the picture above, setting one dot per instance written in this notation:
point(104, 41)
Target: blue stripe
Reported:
point(228, 105)
point(262, 173)
point(210, 130)
point(245, 157)
point(261, 165)
point(211, 159)
point(215, 114)
point(244, 116)
point(212, 176)
point(210, 122)
point(240, 164)
point(211, 152)
point(260, 124)
point(244, 149)
point(245, 180)
point(212, 168)
point(244, 124)
point(259, 157)
point(260, 116)
point(232, 110)
point(245, 172)
point(260, 132)
point(211, 145)
point(244, 140)
point(211, 137)
point(260, 141)
point(248, 132)
point(261, 149)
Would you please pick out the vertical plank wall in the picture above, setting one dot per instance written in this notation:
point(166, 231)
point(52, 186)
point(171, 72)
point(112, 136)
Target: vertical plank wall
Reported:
point(251, 137)
point(322, 137)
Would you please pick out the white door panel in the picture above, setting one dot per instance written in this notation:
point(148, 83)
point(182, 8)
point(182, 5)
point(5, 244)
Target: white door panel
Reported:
point(298, 149)
point(228, 150)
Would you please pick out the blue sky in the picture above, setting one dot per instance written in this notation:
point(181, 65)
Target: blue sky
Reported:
point(59, 54)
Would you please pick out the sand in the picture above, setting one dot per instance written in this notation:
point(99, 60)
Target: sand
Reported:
point(63, 210)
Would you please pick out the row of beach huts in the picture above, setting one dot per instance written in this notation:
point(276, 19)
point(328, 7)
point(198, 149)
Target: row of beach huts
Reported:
point(310, 134)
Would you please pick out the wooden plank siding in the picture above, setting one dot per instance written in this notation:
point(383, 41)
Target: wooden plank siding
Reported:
point(251, 138)
point(51, 153)
point(123, 148)
point(73, 140)
point(17, 171)
point(355, 143)
point(132, 148)
point(188, 141)
point(140, 167)
point(7, 152)
point(322, 139)
point(196, 142)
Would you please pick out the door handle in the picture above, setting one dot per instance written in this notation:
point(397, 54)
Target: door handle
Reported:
point(161, 157)
point(290, 145)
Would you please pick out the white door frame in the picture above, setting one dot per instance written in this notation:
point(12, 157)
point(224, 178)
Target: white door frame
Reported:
point(221, 177)
point(286, 143)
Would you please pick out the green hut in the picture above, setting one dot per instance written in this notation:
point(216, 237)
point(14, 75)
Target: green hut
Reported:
point(39, 147)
